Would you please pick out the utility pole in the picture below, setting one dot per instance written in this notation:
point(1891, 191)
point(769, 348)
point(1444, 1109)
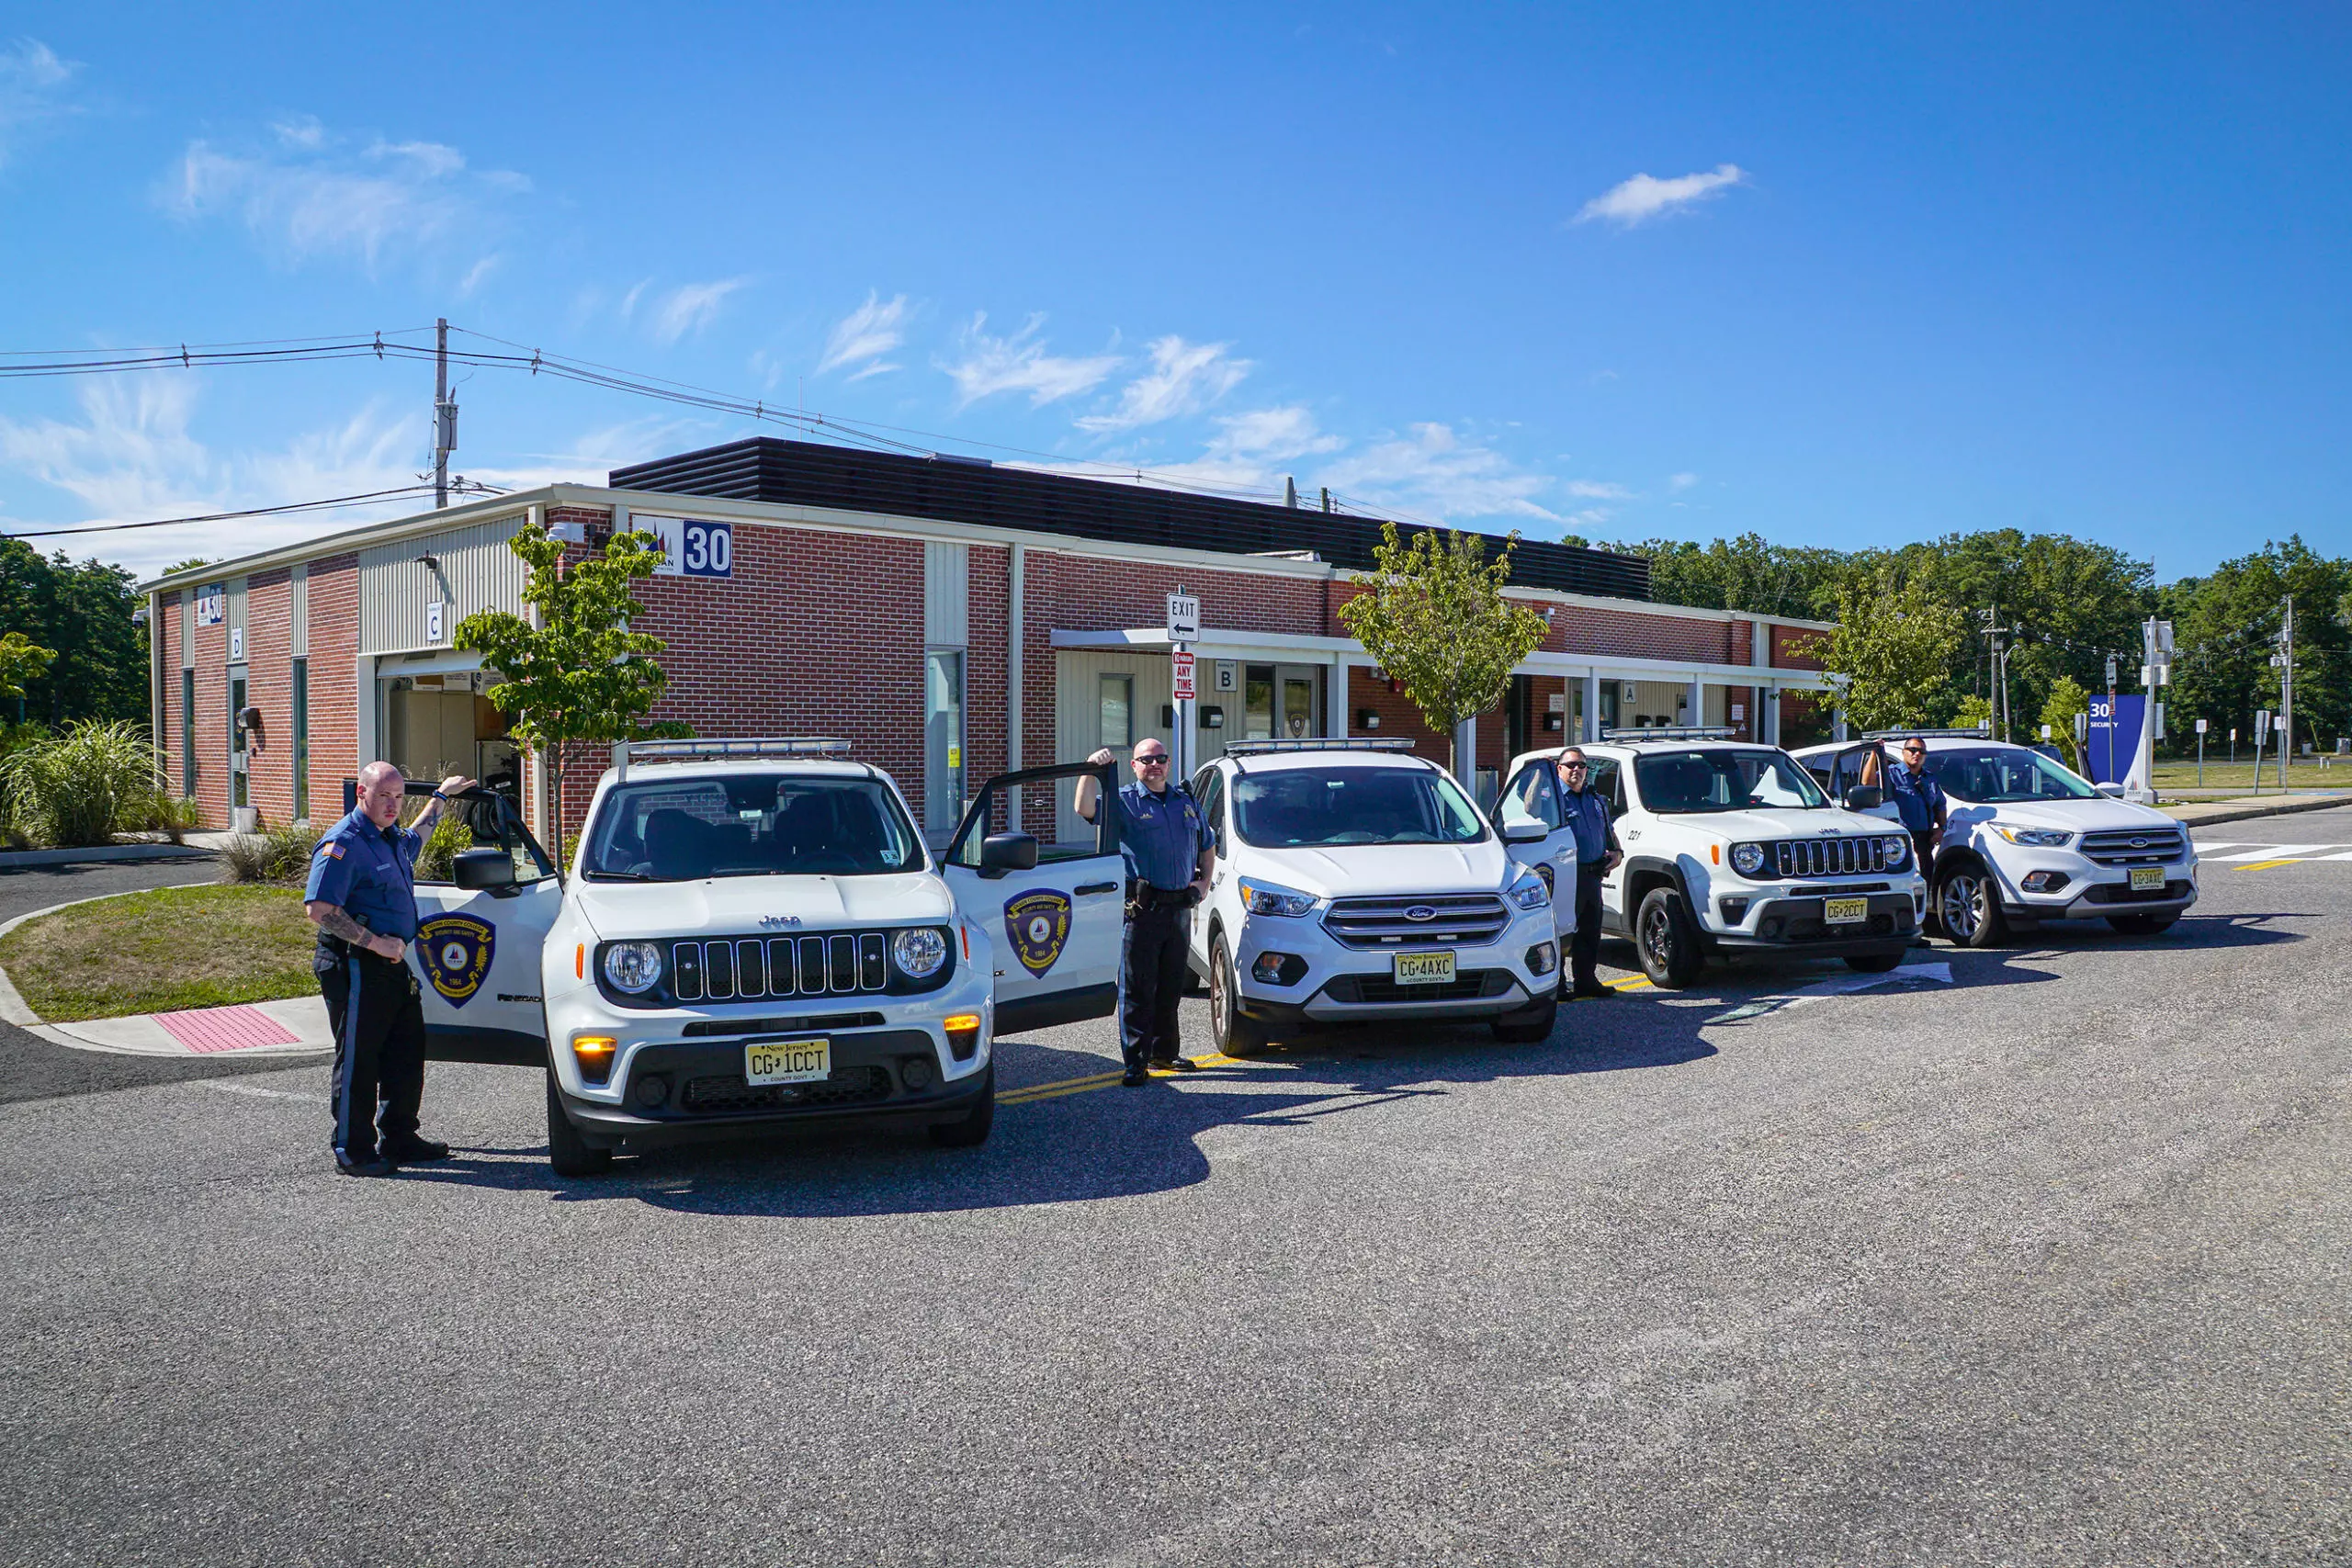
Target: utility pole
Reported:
point(445, 414)
point(2286, 691)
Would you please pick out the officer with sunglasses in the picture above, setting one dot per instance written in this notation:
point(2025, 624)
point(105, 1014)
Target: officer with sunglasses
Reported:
point(1918, 799)
point(1168, 846)
point(1597, 856)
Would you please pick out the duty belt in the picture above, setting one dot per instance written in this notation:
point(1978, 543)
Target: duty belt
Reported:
point(1143, 895)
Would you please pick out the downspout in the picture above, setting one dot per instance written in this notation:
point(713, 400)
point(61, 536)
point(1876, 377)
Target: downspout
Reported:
point(1015, 623)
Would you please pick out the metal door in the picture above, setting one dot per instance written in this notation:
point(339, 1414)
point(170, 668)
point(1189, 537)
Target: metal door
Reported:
point(477, 953)
point(240, 761)
point(1534, 795)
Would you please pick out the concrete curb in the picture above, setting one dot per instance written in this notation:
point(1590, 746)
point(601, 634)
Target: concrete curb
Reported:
point(2284, 807)
point(99, 853)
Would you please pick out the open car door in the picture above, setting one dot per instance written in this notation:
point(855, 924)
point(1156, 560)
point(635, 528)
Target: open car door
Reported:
point(486, 897)
point(1054, 928)
point(1530, 800)
point(1864, 764)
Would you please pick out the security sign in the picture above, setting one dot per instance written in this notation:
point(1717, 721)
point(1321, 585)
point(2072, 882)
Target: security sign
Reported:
point(1038, 924)
point(456, 952)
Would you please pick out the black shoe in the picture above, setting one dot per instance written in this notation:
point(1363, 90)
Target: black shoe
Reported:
point(1594, 993)
point(374, 1165)
point(414, 1151)
point(1176, 1064)
point(1136, 1076)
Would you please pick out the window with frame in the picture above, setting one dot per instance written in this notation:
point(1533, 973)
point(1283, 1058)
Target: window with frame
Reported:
point(1532, 797)
point(1116, 725)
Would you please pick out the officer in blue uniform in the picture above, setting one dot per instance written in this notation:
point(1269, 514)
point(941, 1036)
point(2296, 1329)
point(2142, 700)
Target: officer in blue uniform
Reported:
point(1597, 856)
point(1167, 846)
point(362, 897)
point(1918, 799)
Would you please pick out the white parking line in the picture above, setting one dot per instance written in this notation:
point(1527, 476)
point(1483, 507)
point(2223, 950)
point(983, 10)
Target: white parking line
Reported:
point(2274, 852)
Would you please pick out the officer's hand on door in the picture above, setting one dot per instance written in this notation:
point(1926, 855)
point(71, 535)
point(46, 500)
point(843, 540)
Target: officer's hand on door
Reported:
point(1104, 758)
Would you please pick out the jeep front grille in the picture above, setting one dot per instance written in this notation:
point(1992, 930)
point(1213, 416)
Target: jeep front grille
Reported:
point(1833, 857)
point(726, 969)
point(2135, 846)
point(1455, 918)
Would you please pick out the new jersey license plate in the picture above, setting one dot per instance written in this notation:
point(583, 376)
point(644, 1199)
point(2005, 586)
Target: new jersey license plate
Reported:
point(1423, 968)
point(788, 1061)
point(1845, 911)
point(2147, 879)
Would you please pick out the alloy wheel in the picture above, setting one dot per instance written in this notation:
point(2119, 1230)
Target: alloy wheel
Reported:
point(1957, 907)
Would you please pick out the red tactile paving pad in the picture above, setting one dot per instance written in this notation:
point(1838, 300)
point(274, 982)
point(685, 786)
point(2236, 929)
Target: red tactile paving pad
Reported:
point(225, 1029)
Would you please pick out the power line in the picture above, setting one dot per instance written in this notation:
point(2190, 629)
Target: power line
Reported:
point(465, 486)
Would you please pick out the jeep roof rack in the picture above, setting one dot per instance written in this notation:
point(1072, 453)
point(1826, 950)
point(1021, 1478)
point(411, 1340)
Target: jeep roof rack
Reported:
point(694, 750)
point(1674, 732)
point(1323, 743)
point(1982, 732)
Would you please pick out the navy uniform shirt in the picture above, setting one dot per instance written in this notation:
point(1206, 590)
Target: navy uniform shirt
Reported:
point(1915, 796)
point(1589, 815)
point(1160, 836)
point(370, 872)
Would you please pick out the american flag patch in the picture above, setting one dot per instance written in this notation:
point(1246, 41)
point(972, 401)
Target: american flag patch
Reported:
point(332, 851)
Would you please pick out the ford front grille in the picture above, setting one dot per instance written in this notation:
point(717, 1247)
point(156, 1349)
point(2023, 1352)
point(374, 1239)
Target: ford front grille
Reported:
point(2137, 846)
point(1453, 919)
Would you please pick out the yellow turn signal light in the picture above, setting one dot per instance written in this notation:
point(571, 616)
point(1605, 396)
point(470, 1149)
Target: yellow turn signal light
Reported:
point(960, 1023)
point(595, 1054)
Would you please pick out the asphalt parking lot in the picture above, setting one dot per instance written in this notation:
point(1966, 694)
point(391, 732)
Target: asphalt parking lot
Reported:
point(2037, 1255)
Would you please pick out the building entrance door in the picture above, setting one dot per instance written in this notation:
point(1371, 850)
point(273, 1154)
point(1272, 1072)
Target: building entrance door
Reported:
point(240, 760)
point(1281, 702)
point(943, 744)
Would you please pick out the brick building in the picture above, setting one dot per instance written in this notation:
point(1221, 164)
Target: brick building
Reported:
point(952, 619)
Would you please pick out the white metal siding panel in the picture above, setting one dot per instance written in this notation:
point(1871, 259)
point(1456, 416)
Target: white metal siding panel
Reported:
point(239, 653)
point(1078, 712)
point(297, 597)
point(946, 593)
point(187, 629)
point(476, 572)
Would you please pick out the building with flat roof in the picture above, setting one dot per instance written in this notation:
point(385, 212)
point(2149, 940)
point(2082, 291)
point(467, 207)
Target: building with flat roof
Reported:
point(951, 618)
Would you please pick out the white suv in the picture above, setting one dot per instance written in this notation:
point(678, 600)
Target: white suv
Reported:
point(2027, 841)
point(1355, 881)
point(1731, 847)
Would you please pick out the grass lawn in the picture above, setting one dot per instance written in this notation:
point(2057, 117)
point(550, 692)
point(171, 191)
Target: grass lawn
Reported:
point(174, 947)
point(2304, 772)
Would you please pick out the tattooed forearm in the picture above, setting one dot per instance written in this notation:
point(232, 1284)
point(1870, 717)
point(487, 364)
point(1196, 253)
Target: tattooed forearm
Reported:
point(336, 920)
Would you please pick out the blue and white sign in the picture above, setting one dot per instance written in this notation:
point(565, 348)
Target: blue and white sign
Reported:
point(691, 547)
point(2114, 736)
point(212, 603)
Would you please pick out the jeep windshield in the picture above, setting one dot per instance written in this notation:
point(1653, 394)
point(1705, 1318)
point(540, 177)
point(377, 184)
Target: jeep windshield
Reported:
point(751, 825)
point(1681, 783)
point(2004, 775)
point(1298, 809)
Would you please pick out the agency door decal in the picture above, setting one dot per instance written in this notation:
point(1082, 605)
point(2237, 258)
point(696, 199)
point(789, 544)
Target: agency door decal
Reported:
point(1038, 923)
point(455, 950)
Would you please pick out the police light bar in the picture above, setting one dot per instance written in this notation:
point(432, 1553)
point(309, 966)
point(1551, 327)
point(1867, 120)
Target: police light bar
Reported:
point(1674, 732)
point(688, 751)
point(1979, 733)
point(1333, 743)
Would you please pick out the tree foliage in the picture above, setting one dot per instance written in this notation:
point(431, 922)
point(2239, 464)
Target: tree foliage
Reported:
point(2225, 629)
point(1895, 645)
point(1436, 620)
point(2066, 701)
point(21, 660)
point(81, 613)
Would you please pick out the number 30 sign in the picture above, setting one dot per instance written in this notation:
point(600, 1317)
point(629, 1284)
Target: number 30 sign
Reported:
point(691, 547)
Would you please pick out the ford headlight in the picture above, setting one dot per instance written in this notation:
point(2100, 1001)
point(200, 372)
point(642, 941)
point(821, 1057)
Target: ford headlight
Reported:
point(633, 966)
point(1747, 859)
point(919, 952)
point(1529, 892)
point(2036, 838)
point(1898, 849)
point(1270, 899)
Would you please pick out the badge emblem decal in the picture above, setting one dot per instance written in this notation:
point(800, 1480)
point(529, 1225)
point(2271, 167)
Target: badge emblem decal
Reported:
point(1420, 912)
point(771, 922)
point(1038, 924)
point(455, 951)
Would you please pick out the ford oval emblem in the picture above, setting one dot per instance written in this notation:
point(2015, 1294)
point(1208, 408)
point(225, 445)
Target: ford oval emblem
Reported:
point(1420, 912)
point(770, 922)
point(2139, 843)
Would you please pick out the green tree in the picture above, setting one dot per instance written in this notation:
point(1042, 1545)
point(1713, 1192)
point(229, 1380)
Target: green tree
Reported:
point(21, 660)
point(581, 674)
point(2225, 631)
point(1435, 619)
point(2067, 699)
point(1746, 573)
point(1894, 644)
point(82, 612)
point(1975, 712)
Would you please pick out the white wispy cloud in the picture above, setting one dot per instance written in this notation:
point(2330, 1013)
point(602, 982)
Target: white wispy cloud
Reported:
point(686, 308)
point(32, 90)
point(311, 195)
point(1643, 197)
point(865, 334)
point(1184, 378)
point(988, 365)
point(1595, 490)
point(590, 457)
point(1430, 472)
point(1680, 483)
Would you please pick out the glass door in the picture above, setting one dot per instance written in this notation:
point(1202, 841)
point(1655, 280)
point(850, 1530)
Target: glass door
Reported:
point(1258, 702)
point(1300, 709)
point(240, 760)
point(943, 743)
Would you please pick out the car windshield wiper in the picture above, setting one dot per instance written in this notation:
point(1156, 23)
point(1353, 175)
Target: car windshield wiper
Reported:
point(623, 875)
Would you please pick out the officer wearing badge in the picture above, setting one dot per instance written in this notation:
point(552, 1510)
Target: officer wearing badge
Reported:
point(1167, 846)
point(362, 897)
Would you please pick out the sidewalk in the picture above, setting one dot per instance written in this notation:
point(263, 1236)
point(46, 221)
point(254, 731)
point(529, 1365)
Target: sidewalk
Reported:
point(296, 1025)
point(2205, 814)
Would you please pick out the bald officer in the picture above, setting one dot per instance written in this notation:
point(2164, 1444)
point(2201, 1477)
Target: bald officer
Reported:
point(362, 897)
point(1167, 849)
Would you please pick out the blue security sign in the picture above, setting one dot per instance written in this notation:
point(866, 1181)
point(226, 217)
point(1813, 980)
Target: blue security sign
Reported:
point(2114, 736)
point(691, 547)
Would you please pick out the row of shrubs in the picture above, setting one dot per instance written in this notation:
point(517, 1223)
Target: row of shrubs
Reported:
point(83, 784)
point(283, 854)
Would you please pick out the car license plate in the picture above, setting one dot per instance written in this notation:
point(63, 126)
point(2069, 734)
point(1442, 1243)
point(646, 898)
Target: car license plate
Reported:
point(1845, 911)
point(1423, 968)
point(2147, 879)
point(788, 1061)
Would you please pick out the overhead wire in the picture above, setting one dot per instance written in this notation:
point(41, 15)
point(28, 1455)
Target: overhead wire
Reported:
point(467, 487)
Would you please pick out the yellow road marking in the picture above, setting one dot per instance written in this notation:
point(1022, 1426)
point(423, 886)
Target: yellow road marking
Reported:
point(2265, 865)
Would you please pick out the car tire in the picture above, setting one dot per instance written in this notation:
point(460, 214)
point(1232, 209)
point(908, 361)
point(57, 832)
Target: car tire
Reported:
point(1233, 1032)
point(1874, 963)
point(1968, 906)
point(1668, 944)
point(971, 1131)
point(1530, 1025)
point(569, 1153)
point(2143, 925)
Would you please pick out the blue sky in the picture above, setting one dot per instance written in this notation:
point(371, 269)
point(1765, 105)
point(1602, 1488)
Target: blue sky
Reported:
point(1840, 275)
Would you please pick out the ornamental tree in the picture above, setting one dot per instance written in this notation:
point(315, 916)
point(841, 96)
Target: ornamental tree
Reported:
point(1894, 644)
point(1436, 621)
point(21, 660)
point(580, 673)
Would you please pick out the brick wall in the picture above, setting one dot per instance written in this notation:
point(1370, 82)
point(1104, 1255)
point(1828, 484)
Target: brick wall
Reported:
point(1789, 649)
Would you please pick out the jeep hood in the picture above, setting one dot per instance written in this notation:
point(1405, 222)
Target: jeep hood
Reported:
point(1354, 871)
point(1742, 827)
point(730, 905)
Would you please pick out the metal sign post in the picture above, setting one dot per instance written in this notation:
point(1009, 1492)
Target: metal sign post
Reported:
point(2200, 754)
point(1183, 631)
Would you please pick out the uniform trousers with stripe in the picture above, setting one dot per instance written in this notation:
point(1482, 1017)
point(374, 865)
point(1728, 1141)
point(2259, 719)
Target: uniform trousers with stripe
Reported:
point(378, 1022)
point(1152, 979)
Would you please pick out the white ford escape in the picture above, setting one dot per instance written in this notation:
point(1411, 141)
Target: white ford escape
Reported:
point(1354, 883)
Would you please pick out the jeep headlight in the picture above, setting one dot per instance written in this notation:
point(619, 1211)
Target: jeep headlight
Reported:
point(2036, 838)
point(1747, 859)
point(1898, 849)
point(1527, 891)
point(1270, 899)
point(919, 952)
point(633, 966)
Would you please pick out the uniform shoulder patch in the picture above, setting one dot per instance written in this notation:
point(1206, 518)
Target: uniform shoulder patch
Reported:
point(331, 849)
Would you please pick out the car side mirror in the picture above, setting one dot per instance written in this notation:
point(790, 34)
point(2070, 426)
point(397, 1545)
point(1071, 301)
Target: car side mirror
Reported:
point(1865, 797)
point(1000, 852)
point(483, 871)
point(1525, 830)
